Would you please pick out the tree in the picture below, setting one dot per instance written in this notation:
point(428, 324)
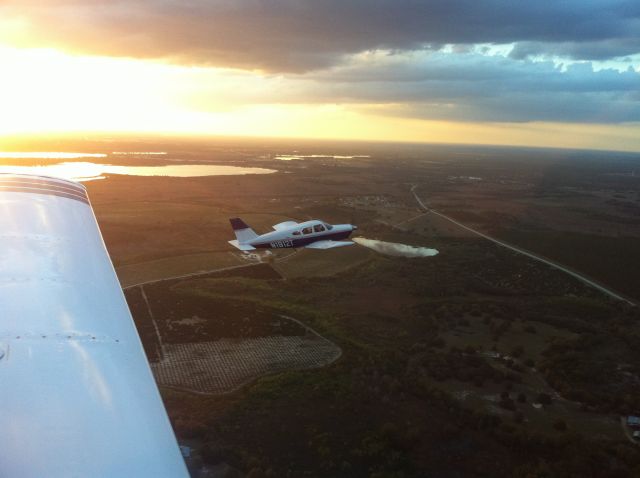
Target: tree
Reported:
point(507, 404)
point(517, 351)
point(256, 473)
point(544, 399)
point(232, 473)
point(211, 453)
point(560, 425)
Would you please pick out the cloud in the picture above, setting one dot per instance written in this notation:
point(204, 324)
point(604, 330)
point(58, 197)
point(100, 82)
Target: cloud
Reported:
point(588, 50)
point(475, 87)
point(303, 35)
point(423, 59)
point(442, 85)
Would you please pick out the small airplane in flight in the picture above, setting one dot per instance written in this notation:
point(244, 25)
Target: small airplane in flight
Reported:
point(289, 234)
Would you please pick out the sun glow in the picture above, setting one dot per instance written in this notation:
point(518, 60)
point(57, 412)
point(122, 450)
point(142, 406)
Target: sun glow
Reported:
point(44, 91)
point(48, 155)
point(47, 91)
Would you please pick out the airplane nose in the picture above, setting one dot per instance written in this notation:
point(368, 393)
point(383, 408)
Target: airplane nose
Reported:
point(354, 228)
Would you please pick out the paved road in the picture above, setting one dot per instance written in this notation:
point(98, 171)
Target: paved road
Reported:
point(203, 273)
point(193, 274)
point(161, 353)
point(524, 252)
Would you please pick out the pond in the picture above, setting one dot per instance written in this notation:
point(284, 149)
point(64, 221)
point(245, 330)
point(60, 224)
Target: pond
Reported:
point(293, 157)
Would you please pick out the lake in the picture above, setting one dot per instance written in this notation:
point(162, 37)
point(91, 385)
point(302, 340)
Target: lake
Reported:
point(88, 171)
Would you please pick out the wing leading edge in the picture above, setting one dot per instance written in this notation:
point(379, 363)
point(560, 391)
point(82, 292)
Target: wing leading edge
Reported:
point(328, 244)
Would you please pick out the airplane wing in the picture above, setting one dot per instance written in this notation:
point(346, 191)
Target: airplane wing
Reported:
point(328, 244)
point(284, 225)
point(77, 395)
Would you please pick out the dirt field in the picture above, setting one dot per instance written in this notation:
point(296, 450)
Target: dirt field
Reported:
point(227, 364)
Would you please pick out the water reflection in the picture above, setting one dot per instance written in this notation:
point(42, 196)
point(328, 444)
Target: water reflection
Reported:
point(84, 171)
point(48, 155)
point(139, 153)
point(293, 157)
point(395, 249)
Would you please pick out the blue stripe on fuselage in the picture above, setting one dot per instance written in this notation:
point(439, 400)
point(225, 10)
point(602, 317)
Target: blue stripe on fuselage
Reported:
point(302, 241)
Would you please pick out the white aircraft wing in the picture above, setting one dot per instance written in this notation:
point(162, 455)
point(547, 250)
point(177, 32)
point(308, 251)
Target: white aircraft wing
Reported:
point(285, 225)
point(328, 244)
point(77, 397)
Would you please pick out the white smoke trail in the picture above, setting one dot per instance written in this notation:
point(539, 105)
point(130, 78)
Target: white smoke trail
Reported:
point(395, 249)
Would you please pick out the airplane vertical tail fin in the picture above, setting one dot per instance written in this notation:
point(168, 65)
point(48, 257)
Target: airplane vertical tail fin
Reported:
point(243, 232)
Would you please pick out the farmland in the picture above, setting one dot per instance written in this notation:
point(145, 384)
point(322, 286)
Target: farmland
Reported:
point(477, 361)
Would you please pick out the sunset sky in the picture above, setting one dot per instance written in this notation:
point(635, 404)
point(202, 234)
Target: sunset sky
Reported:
point(544, 73)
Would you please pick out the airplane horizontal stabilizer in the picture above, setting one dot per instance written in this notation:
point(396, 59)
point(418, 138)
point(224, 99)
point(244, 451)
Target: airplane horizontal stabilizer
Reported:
point(328, 244)
point(242, 247)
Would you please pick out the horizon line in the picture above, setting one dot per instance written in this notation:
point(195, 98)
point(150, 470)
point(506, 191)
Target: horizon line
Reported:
point(97, 135)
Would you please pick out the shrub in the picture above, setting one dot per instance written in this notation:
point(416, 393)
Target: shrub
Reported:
point(544, 399)
point(211, 453)
point(507, 404)
point(560, 425)
point(256, 473)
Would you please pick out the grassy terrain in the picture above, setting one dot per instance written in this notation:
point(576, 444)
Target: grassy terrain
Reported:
point(606, 258)
point(443, 357)
point(175, 266)
point(414, 391)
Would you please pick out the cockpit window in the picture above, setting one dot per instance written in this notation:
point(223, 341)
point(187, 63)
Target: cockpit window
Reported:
point(318, 228)
point(307, 230)
point(328, 226)
point(296, 233)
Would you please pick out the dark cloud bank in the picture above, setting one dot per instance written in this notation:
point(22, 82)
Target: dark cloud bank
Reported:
point(301, 35)
point(473, 87)
point(314, 43)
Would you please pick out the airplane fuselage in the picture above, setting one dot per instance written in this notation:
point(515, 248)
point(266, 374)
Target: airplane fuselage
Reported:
point(295, 237)
point(313, 234)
